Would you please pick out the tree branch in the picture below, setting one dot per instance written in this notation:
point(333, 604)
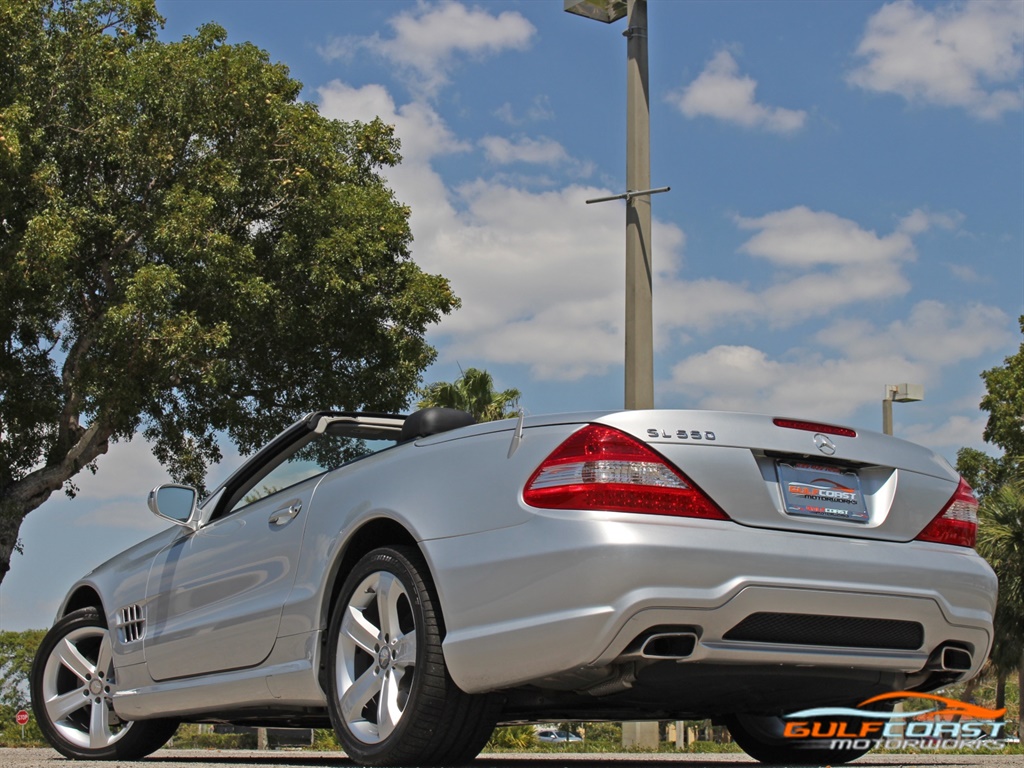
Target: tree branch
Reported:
point(36, 487)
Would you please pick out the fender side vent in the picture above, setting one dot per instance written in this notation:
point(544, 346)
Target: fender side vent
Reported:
point(131, 623)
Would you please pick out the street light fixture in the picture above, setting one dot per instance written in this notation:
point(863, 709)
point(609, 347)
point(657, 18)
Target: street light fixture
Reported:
point(639, 363)
point(899, 393)
point(599, 10)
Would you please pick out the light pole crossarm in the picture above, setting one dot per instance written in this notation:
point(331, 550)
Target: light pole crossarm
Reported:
point(628, 195)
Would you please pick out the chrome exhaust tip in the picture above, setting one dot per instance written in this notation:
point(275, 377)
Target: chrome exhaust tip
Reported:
point(950, 658)
point(669, 645)
point(956, 659)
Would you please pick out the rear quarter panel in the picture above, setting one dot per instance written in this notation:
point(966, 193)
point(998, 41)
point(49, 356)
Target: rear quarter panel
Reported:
point(447, 486)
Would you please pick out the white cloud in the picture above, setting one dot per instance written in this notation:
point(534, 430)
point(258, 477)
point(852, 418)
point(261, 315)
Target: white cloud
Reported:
point(957, 432)
point(933, 333)
point(424, 136)
point(538, 110)
point(721, 92)
point(542, 151)
point(824, 263)
point(539, 273)
point(804, 383)
point(966, 274)
point(800, 237)
point(968, 55)
point(921, 220)
point(703, 304)
point(428, 40)
point(541, 278)
point(846, 366)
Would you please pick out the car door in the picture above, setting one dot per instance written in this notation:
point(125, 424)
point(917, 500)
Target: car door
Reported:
point(215, 595)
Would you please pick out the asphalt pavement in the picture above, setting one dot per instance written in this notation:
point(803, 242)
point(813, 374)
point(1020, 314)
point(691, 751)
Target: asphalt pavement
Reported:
point(208, 758)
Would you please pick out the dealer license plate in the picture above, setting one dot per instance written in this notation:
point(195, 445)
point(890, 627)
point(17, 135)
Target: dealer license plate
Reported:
point(821, 491)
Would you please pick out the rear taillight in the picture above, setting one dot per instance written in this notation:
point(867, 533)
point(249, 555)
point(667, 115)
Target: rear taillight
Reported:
point(957, 523)
point(602, 468)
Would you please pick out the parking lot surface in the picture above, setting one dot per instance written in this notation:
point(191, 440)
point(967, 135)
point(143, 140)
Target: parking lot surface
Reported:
point(179, 758)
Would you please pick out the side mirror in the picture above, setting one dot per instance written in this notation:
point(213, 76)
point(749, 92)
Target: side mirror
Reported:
point(177, 503)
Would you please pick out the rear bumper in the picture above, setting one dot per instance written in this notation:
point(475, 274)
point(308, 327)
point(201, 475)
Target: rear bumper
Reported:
point(567, 593)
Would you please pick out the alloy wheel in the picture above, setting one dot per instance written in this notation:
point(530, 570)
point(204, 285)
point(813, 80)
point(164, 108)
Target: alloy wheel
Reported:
point(376, 662)
point(78, 685)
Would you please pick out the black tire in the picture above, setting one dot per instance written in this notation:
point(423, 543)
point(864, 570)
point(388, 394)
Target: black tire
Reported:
point(391, 699)
point(71, 695)
point(760, 736)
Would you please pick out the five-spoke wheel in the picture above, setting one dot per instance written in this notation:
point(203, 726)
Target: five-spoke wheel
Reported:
point(392, 700)
point(73, 684)
point(376, 657)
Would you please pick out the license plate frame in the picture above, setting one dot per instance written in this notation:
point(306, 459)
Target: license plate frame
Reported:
point(822, 492)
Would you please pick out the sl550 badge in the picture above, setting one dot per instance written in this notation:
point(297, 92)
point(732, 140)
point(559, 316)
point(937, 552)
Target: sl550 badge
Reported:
point(681, 434)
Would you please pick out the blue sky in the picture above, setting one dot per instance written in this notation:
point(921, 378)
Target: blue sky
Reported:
point(847, 210)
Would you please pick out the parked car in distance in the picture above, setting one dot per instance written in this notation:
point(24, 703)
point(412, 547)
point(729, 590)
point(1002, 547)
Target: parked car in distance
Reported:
point(411, 581)
point(548, 736)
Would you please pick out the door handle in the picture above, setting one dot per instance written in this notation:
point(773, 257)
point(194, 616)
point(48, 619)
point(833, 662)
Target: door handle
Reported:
point(286, 514)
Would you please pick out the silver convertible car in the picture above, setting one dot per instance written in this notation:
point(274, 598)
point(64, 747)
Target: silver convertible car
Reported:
point(413, 581)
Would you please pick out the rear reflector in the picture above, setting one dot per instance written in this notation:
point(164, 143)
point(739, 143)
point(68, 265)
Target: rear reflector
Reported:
point(957, 523)
point(813, 426)
point(601, 468)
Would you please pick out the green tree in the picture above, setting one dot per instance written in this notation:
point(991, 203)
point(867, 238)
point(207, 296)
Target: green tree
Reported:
point(17, 650)
point(982, 471)
point(1001, 542)
point(512, 738)
point(1000, 484)
point(474, 392)
point(1004, 401)
point(186, 249)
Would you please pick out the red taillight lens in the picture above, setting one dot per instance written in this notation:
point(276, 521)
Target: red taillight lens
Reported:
point(813, 426)
point(602, 468)
point(957, 523)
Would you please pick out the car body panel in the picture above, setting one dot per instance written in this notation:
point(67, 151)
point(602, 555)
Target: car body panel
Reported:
point(226, 583)
point(234, 615)
point(562, 588)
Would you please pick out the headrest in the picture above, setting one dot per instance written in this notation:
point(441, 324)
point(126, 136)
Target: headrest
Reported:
point(432, 421)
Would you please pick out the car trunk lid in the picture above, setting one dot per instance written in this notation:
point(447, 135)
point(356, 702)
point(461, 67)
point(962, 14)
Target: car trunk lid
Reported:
point(797, 475)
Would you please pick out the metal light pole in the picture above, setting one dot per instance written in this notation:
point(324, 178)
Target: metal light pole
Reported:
point(639, 373)
point(639, 384)
point(899, 393)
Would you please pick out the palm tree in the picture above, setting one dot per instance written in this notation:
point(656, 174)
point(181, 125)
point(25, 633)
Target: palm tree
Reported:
point(474, 392)
point(1001, 542)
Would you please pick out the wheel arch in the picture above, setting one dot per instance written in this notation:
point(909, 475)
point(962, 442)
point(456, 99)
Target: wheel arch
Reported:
point(379, 532)
point(83, 596)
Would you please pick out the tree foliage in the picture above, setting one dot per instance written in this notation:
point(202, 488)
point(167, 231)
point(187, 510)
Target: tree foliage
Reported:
point(473, 392)
point(983, 472)
point(1004, 401)
point(1001, 542)
point(1000, 482)
point(512, 738)
point(17, 650)
point(186, 248)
